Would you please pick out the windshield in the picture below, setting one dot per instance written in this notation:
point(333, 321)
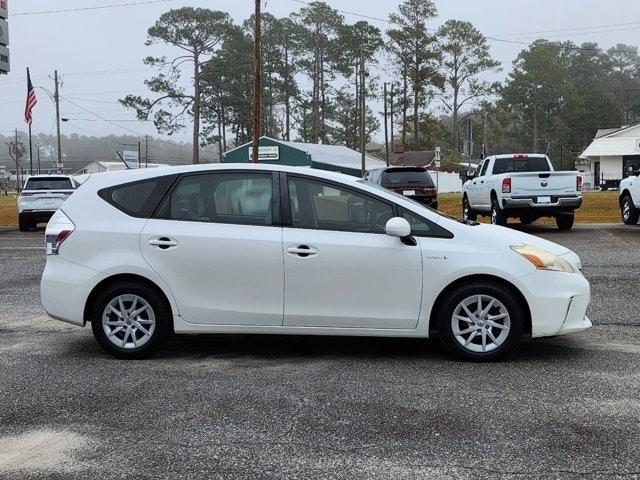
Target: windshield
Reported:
point(51, 183)
point(407, 177)
point(524, 164)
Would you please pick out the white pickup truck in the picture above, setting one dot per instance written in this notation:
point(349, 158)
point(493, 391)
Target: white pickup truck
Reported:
point(41, 197)
point(630, 199)
point(523, 186)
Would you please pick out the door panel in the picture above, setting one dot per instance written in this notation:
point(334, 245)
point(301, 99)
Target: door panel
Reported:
point(220, 273)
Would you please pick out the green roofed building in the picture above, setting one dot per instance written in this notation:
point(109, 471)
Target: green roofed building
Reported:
point(335, 158)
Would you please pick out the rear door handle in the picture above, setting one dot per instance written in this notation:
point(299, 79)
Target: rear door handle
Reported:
point(163, 243)
point(303, 251)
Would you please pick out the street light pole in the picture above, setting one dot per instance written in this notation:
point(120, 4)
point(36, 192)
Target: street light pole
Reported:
point(256, 84)
point(56, 98)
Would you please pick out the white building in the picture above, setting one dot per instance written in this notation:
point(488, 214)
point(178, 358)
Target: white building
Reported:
point(613, 155)
point(98, 167)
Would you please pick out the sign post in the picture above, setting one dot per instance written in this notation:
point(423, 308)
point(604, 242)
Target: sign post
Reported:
point(5, 63)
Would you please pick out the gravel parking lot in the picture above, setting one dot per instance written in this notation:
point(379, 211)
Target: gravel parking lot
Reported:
point(308, 407)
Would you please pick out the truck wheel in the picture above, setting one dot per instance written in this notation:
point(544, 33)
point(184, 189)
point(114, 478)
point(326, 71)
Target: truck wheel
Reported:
point(24, 223)
point(467, 212)
point(497, 215)
point(526, 220)
point(565, 221)
point(630, 213)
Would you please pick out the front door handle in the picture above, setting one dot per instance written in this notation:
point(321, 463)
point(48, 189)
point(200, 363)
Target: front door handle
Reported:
point(163, 243)
point(303, 251)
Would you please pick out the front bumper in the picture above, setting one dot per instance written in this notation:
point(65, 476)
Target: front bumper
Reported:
point(532, 202)
point(558, 302)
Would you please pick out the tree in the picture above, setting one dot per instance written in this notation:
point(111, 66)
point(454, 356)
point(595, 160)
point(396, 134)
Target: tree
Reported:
point(465, 55)
point(196, 32)
point(416, 51)
point(321, 24)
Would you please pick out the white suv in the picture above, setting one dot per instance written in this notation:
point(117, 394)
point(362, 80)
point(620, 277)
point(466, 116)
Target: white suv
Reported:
point(284, 250)
point(41, 197)
point(629, 199)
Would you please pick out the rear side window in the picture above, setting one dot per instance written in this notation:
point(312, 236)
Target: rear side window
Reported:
point(525, 164)
point(244, 199)
point(407, 177)
point(51, 183)
point(137, 199)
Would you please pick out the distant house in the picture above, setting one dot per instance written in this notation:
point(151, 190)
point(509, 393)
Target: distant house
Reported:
point(613, 155)
point(337, 158)
point(422, 158)
point(99, 167)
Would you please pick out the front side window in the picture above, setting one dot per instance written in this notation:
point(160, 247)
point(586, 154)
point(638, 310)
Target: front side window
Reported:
point(221, 198)
point(421, 227)
point(483, 172)
point(324, 206)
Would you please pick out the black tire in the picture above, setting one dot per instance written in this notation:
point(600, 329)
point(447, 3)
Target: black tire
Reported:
point(159, 308)
point(24, 223)
point(526, 220)
point(630, 214)
point(497, 215)
point(467, 212)
point(488, 289)
point(565, 221)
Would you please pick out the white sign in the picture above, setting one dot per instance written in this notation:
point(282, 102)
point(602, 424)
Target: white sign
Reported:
point(4, 32)
point(130, 157)
point(4, 8)
point(4, 59)
point(266, 153)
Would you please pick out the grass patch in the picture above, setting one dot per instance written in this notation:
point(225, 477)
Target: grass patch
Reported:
point(597, 207)
point(9, 210)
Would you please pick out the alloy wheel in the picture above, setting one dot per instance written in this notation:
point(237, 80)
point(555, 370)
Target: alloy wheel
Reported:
point(128, 321)
point(481, 323)
point(626, 209)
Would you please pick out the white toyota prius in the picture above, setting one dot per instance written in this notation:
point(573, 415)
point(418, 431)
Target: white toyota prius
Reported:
point(246, 248)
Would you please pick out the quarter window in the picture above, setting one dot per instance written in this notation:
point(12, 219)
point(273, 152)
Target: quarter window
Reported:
point(137, 199)
point(325, 206)
point(222, 198)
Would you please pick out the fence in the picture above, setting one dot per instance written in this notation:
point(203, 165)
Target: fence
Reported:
point(447, 182)
point(603, 181)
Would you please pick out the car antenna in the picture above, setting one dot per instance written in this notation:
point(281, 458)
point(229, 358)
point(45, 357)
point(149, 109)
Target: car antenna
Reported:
point(123, 160)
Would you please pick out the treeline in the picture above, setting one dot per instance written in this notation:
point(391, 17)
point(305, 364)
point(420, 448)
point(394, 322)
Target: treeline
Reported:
point(316, 66)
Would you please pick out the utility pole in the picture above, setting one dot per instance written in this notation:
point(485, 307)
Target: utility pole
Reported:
point(139, 155)
point(56, 98)
point(362, 113)
point(393, 148)
point(256, 84)
point(146, 151)
point(38, 147)
point(386, 133)
point(17, 153)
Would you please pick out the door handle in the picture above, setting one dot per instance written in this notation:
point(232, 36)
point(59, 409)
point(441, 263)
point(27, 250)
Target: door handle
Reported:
point(303, 251)
point(163, 243)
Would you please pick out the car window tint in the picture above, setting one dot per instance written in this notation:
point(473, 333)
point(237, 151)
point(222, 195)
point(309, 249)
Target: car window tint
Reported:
point(484, 167)
point(323, 206)
point(422, 227)
point(48, 184)
point(418, 177)
point(523, 164)
point(132, 197)
point(223, 198)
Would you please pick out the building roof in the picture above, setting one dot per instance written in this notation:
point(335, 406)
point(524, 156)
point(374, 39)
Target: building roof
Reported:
point(414, 159)
point(614, 142)
point(336, 155)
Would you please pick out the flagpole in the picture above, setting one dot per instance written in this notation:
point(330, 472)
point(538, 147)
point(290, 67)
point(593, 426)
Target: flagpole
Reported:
point(30, 142)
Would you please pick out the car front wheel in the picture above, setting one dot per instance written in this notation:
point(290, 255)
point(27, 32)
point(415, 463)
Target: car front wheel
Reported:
point(630, 213)
point(130, 321)
point(480, 322)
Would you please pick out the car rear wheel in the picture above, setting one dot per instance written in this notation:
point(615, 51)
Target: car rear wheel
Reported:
point(24, 223)
point(565, 221)
point(480, 322)
point(130, 320)
point(497, 215)
point(630, 214)
point(467, 212)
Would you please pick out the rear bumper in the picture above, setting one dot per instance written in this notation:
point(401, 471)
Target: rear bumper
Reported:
point(427, 201)
point(532, 202)
point(37, 215)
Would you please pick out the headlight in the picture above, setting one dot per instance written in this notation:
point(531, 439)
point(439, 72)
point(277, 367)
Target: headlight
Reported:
point(543, 260)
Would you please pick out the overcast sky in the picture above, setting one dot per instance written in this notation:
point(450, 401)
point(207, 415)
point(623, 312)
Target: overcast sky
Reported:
point(98, 53)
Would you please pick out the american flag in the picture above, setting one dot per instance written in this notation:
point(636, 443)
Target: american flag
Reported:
point(31, 100)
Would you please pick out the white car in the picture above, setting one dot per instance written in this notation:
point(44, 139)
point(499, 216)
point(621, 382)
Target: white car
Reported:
point(629, 199)
point(284, 250)
point(41, 197)
point(522, 185)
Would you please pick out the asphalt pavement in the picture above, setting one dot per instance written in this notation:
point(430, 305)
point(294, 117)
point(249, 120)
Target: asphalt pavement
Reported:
point(249, 406)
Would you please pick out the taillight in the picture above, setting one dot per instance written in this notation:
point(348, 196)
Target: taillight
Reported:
point(58, 230)
point(431, 191)
point(579, 183)
point(506, 185)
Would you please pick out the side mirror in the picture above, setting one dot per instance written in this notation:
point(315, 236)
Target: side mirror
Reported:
point(398, 227)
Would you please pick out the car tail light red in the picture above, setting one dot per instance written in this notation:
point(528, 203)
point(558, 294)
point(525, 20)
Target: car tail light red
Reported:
point(520, 156)
point(58, 230)
point(579, 183)
point(506, 185)
point(431, 191)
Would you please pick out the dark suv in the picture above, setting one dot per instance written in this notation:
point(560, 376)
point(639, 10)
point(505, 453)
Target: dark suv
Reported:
point(412, 182)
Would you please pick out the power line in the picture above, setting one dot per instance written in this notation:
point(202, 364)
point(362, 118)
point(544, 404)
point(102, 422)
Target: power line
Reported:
point(84, 9)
